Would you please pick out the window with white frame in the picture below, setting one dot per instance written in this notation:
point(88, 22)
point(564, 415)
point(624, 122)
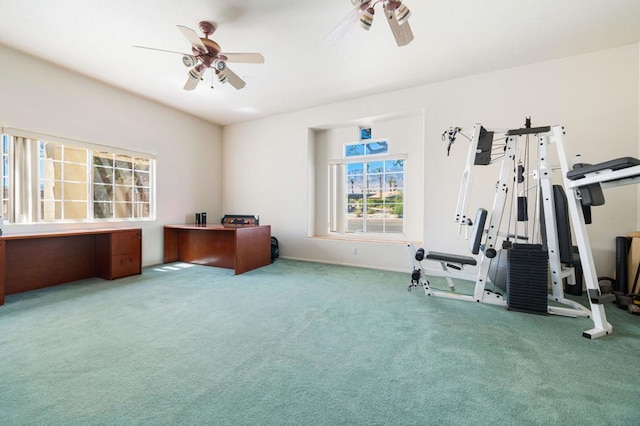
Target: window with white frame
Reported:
point(367, 190)
point(49, 179)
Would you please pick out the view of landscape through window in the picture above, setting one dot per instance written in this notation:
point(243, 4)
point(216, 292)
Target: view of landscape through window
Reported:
point(374, 190)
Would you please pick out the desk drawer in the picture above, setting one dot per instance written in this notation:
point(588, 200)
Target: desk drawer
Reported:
point(124, 265)
point(125, 242)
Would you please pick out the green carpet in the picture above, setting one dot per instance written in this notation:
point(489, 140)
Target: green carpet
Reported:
point(299, 343)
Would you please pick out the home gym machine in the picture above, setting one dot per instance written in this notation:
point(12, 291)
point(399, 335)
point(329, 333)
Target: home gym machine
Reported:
point(524, 277)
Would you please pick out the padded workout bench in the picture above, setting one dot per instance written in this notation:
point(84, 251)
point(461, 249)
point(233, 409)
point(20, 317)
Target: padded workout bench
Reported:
point(450, 261)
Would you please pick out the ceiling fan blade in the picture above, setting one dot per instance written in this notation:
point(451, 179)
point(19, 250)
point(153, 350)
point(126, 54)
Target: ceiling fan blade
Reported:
point(349, 21)
point(402, 33)
point(234, 79)
point(160, 50)
point(246, 58)
point(193, 38)
point(194, 77)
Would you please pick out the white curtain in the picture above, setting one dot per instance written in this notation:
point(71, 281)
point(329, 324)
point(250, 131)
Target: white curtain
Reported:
point(24, 180)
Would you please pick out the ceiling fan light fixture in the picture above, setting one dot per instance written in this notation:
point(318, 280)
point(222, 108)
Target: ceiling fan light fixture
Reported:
point(219, 64)
point(196, 72)
point(366, 20)
point(189, 60)
point(222, 78)
point(402, 13)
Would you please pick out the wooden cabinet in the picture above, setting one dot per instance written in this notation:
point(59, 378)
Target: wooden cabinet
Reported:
point(119, 254)
point(33, 261)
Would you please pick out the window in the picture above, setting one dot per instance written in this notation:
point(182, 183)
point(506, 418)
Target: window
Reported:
point(47, 179)
point(375, 197)
point(64, 190)
point(369, 148)
point(120, 186)
point(367, 190)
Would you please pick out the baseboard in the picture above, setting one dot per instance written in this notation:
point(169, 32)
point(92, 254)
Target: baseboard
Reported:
point(301, 259)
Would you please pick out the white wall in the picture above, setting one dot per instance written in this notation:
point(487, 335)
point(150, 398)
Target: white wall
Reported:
point(595, 96)
point(43, 98)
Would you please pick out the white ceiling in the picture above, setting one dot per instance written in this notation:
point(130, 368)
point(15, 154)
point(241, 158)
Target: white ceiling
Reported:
point(453, 38)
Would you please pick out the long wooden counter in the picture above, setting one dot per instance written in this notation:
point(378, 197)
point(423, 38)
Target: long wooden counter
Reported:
point(33, 261)
point(241, 248)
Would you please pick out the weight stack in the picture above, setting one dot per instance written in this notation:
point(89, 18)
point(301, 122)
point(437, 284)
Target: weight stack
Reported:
point(527, 278)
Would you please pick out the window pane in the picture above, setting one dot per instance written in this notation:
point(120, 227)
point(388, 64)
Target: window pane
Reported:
point(51, 170)
point(75, 155)
point(50, 210)
point(123, 177)
point(141, 194)
point(375, 225)
point(75, 210)
point(102, 192)
point(354, 150)
point(393, 196)
point(375, 167)
point(374, 185)
point(393, 227)
point(141, 210)
point(374, 207)
point(381, 147)
point(51, 150)
point(141, 178)
point(355, 224)
point(122, 210)
point(122, 193)
point(75, 172)
point(393, 182)
point(141, 164)
point(354, 205)
point(103, 210)
point(394, 165)
point(75, 191)
point(102, 159)
point(355, 168)
point(102, 175)
point(395, 210)
point(123, 162)
point(354, 184)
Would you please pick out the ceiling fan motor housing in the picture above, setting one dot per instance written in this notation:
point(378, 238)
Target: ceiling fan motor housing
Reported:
point(207, 28)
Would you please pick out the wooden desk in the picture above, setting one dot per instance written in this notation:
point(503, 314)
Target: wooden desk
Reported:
point(33, 261)
point(241, 248)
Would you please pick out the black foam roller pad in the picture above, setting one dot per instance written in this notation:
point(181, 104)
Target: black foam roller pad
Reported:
point(523, 214)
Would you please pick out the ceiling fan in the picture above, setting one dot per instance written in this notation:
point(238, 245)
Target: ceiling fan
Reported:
point(206, 54)
point(396, 12)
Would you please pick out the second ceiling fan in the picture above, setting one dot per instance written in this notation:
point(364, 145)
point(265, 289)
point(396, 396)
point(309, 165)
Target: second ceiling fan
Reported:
point(395, 12)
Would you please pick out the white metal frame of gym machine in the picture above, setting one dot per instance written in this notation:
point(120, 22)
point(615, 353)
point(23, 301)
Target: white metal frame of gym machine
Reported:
point(490, 234)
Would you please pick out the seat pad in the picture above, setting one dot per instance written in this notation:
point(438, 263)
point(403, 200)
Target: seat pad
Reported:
point(452, 258)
